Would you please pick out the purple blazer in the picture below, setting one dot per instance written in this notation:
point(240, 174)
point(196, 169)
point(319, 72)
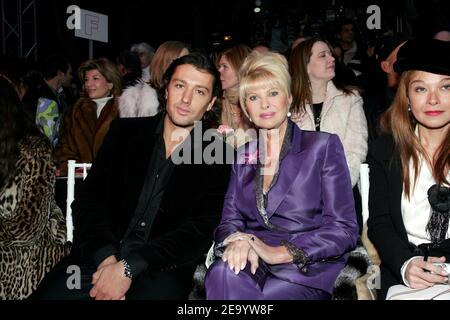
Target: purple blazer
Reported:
point(312, 201)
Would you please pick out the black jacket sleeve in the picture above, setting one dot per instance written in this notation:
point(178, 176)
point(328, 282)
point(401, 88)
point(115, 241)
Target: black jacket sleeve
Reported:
point(385, 225)
point(92, 233)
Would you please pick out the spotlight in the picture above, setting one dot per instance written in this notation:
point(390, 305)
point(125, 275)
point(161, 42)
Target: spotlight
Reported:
point(227, 38)
point(257, 10)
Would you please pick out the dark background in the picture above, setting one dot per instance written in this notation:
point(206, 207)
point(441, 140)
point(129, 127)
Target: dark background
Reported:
point(203, 23)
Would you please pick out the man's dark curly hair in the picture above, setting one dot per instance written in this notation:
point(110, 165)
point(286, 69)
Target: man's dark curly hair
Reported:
point(202, 63)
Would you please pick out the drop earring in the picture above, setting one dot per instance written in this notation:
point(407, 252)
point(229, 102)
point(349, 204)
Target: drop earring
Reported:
point(409, 107)
point(289, 114)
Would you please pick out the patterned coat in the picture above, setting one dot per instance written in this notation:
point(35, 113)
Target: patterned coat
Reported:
point(32, 227)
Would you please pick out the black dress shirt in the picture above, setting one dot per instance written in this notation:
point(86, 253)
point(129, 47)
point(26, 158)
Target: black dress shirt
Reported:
point(155, 183)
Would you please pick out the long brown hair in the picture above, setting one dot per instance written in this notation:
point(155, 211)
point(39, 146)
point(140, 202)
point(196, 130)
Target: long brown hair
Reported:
point(15, 125)
point(301, 84)
point(236, 56)
point(164, 55)
point(400, 122)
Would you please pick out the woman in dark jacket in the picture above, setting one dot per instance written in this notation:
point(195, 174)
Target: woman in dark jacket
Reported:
point(87, 121)
point(409, 171)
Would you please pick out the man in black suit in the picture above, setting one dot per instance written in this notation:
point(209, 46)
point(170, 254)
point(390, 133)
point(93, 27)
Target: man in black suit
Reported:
point(144, 218)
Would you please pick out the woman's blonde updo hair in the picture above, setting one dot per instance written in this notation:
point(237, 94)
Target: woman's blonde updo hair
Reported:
point(263, 70)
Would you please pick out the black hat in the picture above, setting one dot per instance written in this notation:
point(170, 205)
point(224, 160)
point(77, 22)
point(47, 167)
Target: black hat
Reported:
point(389, 43)
point(428, 55)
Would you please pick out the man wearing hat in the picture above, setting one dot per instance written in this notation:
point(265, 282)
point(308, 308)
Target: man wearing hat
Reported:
point(378, 96)
point(430, 55)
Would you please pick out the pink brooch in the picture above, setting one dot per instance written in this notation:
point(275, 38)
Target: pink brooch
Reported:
point(225, 130)
point(251, 158)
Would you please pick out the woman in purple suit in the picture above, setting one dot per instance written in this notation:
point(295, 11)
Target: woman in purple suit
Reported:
point(289, 219)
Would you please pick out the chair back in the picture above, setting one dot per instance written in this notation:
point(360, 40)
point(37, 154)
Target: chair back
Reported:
point(71, 172)
point(364, 185)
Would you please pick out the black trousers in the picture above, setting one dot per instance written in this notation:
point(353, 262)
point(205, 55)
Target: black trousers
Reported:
point(58, 285)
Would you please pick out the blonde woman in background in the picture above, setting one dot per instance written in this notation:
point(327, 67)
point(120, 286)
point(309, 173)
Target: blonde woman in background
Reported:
point(234, 123)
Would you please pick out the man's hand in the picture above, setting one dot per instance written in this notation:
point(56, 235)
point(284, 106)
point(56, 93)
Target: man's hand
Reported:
point(417, 276)
point(110, 282)
point(110, 260)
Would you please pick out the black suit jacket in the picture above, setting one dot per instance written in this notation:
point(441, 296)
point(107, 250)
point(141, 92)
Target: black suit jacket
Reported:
point(385, 225)
point(190, 209)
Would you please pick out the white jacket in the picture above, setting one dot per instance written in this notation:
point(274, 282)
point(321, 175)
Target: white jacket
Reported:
point(140, 100)
point(343, 115)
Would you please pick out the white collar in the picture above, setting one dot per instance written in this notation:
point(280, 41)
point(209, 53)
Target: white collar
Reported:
point(102, 101)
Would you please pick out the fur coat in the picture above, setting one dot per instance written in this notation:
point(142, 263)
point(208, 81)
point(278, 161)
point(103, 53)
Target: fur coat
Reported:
point(82, 134)
point(32, 226)
point(140, 100)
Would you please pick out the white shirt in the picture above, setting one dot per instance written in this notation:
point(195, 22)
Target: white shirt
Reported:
point(417, 210)
point(101, 103)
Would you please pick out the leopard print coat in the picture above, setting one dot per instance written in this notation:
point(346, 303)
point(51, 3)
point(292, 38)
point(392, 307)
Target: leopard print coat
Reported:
point(32, 226)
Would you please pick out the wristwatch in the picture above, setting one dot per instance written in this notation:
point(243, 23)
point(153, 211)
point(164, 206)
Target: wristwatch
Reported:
point(127, 270)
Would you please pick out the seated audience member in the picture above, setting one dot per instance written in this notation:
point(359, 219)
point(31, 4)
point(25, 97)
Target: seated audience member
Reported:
point(353, 54)
point(87, 121)
point(145, 53)
point(232, 118)
point(32, 227)
point(322, 103)
point(51, 105)
point(409, 171)
point(379, 95)
point(142, 219)
point(289, 219)
point(129, 66)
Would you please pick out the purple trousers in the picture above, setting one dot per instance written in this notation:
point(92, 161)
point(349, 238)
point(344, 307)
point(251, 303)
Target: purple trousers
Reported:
point(222, 283)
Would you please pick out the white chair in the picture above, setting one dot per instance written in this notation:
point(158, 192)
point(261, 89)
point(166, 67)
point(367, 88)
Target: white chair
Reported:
point(71, 168)
point(364, 190)
point(364, 283)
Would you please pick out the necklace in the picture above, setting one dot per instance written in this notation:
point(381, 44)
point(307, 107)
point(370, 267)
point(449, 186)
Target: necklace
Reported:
point(317, 110)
